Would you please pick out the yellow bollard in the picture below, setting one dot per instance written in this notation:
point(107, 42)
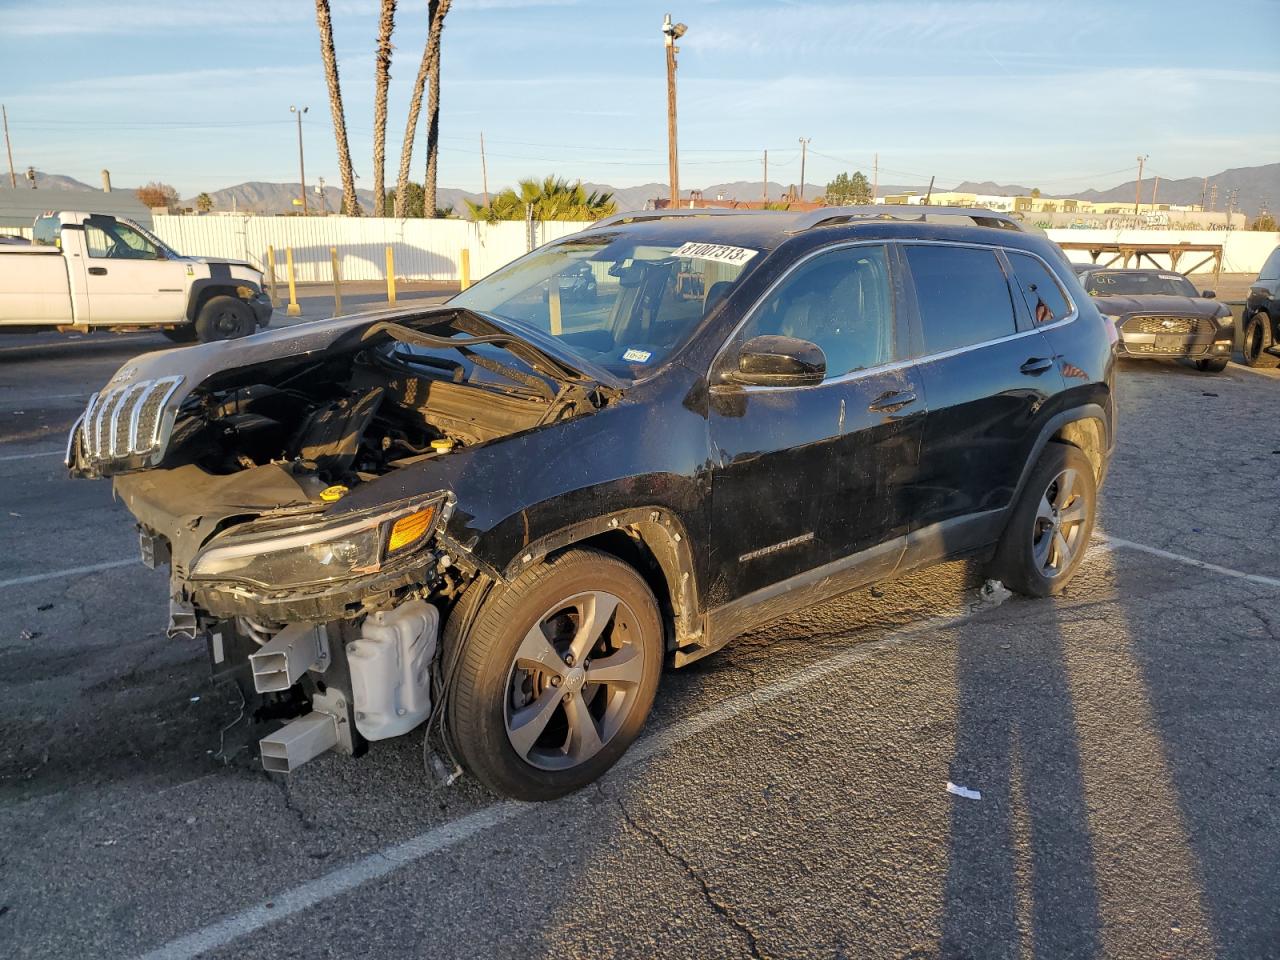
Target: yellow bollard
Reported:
point(293, 310)
point(466, 269)
point(271, 275)
point(553, 305)
point(391, 276)
point(337, 283)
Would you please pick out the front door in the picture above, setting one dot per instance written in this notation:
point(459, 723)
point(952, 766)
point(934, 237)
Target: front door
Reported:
point(807, 478)
point(129, 280)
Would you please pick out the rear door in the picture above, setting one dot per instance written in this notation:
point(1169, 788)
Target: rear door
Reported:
point(808, 477)
point(129, 280)
point(986, 380)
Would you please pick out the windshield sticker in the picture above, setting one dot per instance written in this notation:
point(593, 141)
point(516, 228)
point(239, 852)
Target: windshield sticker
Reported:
point(718, 252)
point(637, 356)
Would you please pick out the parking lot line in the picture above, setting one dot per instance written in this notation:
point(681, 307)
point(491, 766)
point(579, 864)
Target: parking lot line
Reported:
point(1190, 561)
point(69, 572)
point(382, 862)
point(31, 456)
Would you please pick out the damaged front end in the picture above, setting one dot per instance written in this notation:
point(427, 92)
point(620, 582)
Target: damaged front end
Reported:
point(289, 481)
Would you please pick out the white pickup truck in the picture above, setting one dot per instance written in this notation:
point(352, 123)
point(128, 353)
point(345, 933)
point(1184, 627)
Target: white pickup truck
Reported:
point(88, 271)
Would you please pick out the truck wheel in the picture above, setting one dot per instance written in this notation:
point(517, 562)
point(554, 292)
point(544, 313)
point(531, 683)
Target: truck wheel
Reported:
point(185, 334)
point(1049, 529)
point(1212, 365)
point(556, 675)
point(1257, 338)
point(224, 318)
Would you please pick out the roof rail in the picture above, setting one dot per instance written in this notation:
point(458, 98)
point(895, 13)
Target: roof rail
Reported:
point(640, 216)
point(909, 212)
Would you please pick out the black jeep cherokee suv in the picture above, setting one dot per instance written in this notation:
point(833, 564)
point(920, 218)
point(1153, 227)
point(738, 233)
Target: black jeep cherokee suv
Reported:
point(507, 512)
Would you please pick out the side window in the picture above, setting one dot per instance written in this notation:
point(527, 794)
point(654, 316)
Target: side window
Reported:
point(106, 237)
point(839, 300)
point(962, 294)
point(1040, 288)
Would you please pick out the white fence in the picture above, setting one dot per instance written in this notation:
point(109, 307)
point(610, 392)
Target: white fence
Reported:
point(423, 249)
point(432, 249)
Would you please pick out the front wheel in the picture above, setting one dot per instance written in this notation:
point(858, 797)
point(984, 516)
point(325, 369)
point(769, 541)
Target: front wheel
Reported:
point(224, 318)
point(556, 675)
point(1049, 529)
point(1212, 365)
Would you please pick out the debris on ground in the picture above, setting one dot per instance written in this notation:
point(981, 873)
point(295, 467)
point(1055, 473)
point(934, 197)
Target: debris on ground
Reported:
point(965, 792)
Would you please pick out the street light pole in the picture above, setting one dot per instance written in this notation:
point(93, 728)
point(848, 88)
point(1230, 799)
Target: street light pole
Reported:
point(804, 148)
point(302, 169)
point(672, 32)
point(1137, 200)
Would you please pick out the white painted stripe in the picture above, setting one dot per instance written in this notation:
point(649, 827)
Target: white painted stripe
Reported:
point(69, 572)
point(390, 859)
point(31, 456)
point(1114, 542)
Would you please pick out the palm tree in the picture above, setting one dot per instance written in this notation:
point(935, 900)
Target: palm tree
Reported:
point(382, 79)
point(430, 66)
point(433, 105)
point(350, 205)
point(552, 198)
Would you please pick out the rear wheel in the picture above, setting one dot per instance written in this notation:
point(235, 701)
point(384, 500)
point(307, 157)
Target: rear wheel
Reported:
point(1049, 529)
point(1257, 338)
point(224, 318)
point(1212, 365)
point(557, 675)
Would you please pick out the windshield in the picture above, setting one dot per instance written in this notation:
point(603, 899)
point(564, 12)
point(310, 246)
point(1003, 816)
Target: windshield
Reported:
point(614, 300)
point(1116, 283)
point(1271, 269)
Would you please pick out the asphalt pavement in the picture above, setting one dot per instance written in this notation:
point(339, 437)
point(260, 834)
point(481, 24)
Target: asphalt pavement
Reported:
point(789, 798)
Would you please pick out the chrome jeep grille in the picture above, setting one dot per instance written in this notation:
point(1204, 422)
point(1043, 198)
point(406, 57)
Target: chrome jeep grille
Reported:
point(125, 421)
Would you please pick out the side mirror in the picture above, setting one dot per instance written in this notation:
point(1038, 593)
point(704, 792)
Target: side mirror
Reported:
point(780, 362)
point(1208, 294)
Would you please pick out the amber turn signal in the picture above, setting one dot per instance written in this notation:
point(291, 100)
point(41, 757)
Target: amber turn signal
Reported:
point(410, 529)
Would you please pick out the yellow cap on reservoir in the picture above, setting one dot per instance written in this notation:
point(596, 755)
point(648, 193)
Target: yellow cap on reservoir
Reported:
point(442, 446)
point(336, 492)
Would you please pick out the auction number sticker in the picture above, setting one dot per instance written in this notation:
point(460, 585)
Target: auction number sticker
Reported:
point(719, 252)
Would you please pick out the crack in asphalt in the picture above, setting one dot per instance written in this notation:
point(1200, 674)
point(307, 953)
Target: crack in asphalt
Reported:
point(717, 907)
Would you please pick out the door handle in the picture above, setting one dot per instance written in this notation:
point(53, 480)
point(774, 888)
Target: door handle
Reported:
point(1037, 365)
point(891, 401)
point(98, 271)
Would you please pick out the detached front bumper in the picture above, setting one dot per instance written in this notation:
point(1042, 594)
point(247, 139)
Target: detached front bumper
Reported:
point(1147, 337)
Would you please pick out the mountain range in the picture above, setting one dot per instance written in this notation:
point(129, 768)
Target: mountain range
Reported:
point(1255, 187)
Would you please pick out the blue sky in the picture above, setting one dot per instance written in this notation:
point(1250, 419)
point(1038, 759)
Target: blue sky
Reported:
point(1059, 95)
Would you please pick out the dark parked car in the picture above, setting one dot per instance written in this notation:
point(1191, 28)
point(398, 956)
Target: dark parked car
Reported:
point(756, 411)
point(1261, 324)
point(1160, 315)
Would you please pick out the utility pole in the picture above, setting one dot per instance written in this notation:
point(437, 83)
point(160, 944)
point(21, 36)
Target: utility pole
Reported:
point(1213, 197)
point(1137, 199)
point(875, 177)
point(764, 187)
point(1204, 188)
point(484, 171)
point(929, 195)
point(302, 169)
point(804, 149)
point(13, 177)
point(1155, 190)
point(672, 32)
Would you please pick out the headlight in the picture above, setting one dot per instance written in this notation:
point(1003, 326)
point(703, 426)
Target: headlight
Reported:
point(321, 553)
point(1228, 320)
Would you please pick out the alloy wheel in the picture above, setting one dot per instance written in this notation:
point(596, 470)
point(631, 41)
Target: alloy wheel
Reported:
point(1060, 524)
point(573, 681)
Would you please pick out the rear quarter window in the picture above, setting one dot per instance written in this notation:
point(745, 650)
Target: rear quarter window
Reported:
point(47, 232)
point(962, 295)
point(1039, 287)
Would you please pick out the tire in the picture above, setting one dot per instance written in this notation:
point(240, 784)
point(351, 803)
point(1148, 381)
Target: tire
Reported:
point(1212, 365)
point(186, 334)
point(224, 318)
point(1027, 558)
point(520, 712)
point(1257, 338)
